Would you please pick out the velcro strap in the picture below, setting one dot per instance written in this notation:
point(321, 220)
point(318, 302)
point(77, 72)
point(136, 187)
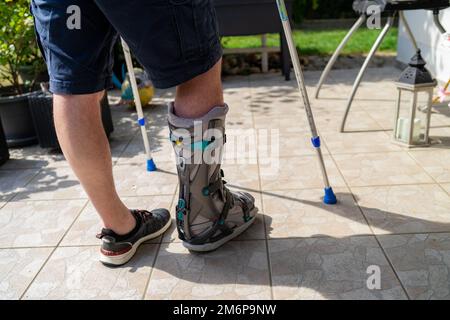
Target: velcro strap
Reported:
point(208, 235)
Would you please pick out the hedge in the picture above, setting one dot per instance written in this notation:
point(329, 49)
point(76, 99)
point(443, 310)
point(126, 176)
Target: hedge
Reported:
point(322, 9)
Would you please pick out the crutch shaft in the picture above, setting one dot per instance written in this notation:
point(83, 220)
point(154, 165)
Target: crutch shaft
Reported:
point(303, 92)
point(138, 104)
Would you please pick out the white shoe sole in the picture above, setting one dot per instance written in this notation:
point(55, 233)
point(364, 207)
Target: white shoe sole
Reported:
point(124, 258)
point(215, 245)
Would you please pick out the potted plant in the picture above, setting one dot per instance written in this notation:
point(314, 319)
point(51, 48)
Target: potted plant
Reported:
point(41, 108)
point(20, 67)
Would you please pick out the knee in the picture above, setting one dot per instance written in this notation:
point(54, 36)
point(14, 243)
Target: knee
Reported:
point(62, 100)
point(84, 107)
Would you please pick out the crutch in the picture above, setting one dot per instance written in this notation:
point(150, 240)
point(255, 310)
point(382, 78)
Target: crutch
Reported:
point(137, 101)
point(330, 197)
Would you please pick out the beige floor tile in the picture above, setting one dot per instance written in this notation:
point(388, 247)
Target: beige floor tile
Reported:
point(255, 232)
point(241, 145)
point(287, 144)
point(422, 262)
point(34, 157)
point(239, 270)
point(13, 181)
point(446, 187)
point(286, 124)
point(359, 142)
point(53, 184)
point(441, 114)
point(440, 137)
point(118, 146)
point(357, 121)
point(405, 209)
point(37, 223)
point(384, 168)
point(330, 268)
point(160, 147)
point(297, 173)
point(237, 121)
point(383, 115)
point(88, 224)
point(244, 176)
point(435, 162)
point(276, 102)
point(134, 180)
point(18, 267)
point(303, 214)
point(76, 273)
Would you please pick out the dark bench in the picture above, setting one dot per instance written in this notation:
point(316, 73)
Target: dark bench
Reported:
point(253, 17)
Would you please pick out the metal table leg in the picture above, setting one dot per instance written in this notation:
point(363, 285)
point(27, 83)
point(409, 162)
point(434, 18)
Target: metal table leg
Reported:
point(408, 30)
point(358, 80)
point(437, 22)
point(341, 46)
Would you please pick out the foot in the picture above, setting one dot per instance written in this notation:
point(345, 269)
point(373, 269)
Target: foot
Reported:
point(117, 249)
point(241, 215)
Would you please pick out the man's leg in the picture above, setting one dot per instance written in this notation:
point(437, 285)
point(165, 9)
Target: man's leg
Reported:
point(208, 214)
point(83, 141)
point(187, 54)
point(198, 96)
point(79, 62)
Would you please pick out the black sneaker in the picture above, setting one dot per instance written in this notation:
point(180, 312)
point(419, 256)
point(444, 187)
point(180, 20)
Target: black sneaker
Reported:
point(117, 250)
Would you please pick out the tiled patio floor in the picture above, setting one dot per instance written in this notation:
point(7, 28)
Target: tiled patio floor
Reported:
point(394, 210)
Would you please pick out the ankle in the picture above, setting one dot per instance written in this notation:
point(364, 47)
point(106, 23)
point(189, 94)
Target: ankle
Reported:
point(124, 224)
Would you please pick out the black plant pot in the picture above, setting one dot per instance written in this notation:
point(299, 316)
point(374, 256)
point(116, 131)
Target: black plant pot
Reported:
point(4, 152)
point(41, 108)
point(16, 120)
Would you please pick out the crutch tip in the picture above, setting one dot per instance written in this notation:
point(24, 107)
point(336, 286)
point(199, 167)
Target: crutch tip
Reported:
point(330, 197)
point(151, 166)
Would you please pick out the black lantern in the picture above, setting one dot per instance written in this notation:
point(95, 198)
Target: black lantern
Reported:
point(412, 127)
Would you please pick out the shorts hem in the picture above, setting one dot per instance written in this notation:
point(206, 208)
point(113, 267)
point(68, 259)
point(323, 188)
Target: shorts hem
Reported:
point(190, 69)
point(79, 87)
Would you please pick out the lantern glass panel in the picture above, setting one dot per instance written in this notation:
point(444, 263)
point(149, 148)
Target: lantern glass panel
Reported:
point(413, 110)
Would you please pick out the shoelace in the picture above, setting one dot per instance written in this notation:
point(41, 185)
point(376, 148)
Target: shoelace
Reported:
point(144, 214)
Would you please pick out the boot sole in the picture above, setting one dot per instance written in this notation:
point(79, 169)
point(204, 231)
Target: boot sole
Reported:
point(215, 245)
point(124, 258)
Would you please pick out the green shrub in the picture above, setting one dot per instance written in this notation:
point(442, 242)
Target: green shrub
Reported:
point(18, 47)
point(322, 9)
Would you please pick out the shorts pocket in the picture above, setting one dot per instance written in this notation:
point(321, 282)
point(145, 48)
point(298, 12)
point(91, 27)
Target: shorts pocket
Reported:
point(196, 26)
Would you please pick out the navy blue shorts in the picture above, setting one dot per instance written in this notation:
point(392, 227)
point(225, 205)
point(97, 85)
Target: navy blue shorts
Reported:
point(175, 40)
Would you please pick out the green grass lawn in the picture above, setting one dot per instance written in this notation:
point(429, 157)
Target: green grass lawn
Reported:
point(321, 42)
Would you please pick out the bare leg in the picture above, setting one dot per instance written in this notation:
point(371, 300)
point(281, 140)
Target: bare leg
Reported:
point(197, 96)
point(85, 146)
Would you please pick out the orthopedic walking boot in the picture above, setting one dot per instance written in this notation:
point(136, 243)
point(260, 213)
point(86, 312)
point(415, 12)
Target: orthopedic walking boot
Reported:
point(208, 214)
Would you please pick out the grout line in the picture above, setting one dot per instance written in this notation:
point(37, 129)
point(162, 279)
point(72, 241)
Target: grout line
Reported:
point(432, 178)
point(75, 199)
point(392, 267)
point(25, 247)
point(269, 264)
point(264, 190)
point(371, 229)
point(159, 245)
point(114, 163)
point(53, 251)
point(26, 184)
point(147, 283)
